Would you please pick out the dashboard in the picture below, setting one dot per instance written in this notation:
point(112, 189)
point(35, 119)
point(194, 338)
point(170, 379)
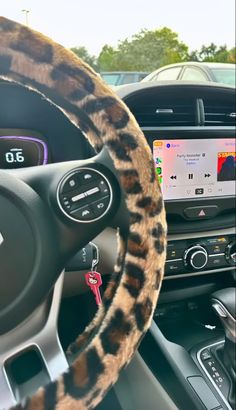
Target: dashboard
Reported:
point(191, 132)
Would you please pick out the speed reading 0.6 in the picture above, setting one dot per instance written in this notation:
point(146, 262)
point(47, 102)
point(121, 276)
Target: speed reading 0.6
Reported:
point(14, 155)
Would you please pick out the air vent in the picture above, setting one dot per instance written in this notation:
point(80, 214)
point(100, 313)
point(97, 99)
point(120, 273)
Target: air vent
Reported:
point(219, 114)
point(183, 105)
point(162, 114)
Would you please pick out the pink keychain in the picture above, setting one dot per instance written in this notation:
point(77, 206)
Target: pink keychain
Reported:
point(94, 281)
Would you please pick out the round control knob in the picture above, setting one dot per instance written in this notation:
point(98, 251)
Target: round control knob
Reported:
point(196, 257)
point(231, 253)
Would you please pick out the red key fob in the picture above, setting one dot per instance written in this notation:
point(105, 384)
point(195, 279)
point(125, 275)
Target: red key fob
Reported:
point(94, 281)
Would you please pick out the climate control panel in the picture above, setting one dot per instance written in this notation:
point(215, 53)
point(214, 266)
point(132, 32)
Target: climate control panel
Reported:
point(202, 254)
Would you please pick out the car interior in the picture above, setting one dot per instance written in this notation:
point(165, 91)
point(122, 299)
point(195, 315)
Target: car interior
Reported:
point(68, 197)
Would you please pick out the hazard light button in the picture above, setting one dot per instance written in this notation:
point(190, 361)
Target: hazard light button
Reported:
point(201, 212)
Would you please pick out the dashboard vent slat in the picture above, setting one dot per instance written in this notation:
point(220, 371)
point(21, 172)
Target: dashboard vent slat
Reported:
point(167, 114)
point(219, 115)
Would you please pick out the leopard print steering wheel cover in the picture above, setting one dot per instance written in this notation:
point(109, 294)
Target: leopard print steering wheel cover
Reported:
point(108, 344)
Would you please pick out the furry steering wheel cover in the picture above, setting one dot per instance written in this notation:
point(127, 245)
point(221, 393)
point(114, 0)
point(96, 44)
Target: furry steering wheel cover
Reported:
point(109, 342)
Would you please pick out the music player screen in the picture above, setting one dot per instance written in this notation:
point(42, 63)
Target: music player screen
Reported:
point(195, 168)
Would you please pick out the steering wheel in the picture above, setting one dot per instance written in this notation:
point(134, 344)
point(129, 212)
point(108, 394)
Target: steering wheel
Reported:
point(47, 213)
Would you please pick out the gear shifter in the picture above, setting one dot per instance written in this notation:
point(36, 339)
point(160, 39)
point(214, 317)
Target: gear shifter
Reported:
point(224, 304)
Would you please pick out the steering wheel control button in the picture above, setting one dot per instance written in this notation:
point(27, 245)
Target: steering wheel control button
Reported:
point(84, 195)
point(70, 184)
point(84, 214)
point(87, 177)
point(99, 206)
point(103, 188)
point(201, 212)
point(78, 197)
point(93, 191)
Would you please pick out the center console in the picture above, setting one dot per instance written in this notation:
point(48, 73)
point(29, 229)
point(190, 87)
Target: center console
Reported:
point(196, 168)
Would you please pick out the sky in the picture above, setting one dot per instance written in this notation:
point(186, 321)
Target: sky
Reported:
point(93, 23)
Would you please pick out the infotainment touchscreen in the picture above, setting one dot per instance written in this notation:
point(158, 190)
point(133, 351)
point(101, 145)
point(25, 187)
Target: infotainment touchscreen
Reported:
point(195, 168)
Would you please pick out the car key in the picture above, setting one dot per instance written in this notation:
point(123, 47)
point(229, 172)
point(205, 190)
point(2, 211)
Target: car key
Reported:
point(94, 281)
point(83, 259)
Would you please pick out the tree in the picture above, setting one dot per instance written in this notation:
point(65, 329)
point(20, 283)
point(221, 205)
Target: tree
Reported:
point(146, 51)
point(213, 53)
point(107, 60)
point(83, 53)
point(232, 56)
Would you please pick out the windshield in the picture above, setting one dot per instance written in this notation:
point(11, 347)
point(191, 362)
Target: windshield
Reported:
point(135, 37)
point(224, 75)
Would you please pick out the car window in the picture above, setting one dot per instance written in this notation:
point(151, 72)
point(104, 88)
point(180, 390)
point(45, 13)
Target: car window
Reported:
point(224, 75)
point(168, 74)
point(111, 79)
point(142, 76)
point(194, 74)
point(129, 78)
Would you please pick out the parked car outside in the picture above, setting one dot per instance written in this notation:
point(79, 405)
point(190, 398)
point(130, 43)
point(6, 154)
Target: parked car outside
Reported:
point(116, 78)
point(195, 71)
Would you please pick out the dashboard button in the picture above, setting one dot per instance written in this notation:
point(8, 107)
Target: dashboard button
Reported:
point(174, 252)
point(198, 260)
point(216, 245)
point(201, 212)
point(205, 355)
point(215, 249)
point(174, 267)
point(216, 261)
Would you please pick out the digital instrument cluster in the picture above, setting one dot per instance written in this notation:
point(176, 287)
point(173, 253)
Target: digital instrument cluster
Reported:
point(19, 151)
